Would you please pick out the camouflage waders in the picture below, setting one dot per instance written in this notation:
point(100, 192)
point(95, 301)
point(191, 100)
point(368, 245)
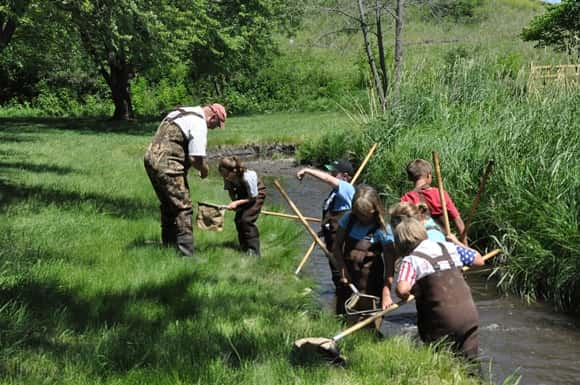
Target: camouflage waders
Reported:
point(166, 163)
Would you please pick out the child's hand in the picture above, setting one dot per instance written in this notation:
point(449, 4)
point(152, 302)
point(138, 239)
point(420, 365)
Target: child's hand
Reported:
point(300, 174)
point(232, 206)
point(452, 238)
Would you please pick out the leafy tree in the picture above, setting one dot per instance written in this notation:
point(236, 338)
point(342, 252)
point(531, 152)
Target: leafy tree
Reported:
point(126, 37)
point(558, 27)
point(45, 57)
point(239, 39)
point(10, 13)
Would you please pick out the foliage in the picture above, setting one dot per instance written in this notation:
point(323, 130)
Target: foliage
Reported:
point(465, 11)
point(482, 111)
point(558, 27)
point(11, 13)
point(239, 39)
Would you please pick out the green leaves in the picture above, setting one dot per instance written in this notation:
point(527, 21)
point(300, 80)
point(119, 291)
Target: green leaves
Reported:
point(559, 28)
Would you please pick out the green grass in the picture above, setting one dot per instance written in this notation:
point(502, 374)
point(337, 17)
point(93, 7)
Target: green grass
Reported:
point(88, 297)
point(278, 127)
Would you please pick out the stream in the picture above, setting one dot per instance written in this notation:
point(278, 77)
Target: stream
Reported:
point(532, 341)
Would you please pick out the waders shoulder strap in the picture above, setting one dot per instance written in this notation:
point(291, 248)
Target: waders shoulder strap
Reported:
point(183, 113)
point(435, 261)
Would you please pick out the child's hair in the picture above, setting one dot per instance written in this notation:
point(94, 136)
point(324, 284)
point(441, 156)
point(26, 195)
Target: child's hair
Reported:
point(366, 200)
point(402, 210)
point(232, 164)
point(417, 169)
point(409, 232)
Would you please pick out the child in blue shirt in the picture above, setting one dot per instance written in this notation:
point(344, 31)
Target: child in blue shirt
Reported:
point(362, 245)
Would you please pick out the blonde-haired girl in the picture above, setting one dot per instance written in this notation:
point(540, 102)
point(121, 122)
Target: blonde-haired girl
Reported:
point(362, 245)
point(431, 271)
point(419, 211)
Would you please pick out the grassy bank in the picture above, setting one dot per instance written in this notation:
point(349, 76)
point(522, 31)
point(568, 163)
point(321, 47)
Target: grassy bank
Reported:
point(476, 109)
point(87, 296)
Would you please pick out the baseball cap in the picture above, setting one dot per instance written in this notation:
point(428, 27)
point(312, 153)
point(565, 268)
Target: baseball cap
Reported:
point(220, 111)
point(341, 165)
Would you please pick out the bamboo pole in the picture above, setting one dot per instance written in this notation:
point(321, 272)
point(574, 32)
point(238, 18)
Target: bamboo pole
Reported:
point(306, 225)
point(305, 258)
point(353, 180)
point(283, 215)
point(441, 193)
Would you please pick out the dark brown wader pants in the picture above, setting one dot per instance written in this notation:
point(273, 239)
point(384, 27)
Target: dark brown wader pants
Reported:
point(364, 264)
point(166, 165)
point(445, 307)
point(329, 227)
point(245, 220)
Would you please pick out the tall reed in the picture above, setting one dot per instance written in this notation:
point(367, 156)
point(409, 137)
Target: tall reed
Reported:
point(471, 111)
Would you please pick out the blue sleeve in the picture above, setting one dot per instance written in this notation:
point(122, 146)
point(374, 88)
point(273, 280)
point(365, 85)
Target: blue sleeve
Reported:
point(345, 190)
point(344, 220)
point(386, 237)
point(344, 194)
point(467, 255)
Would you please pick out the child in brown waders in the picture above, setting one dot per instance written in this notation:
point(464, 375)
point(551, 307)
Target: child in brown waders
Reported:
point(431, 271)
point(247, 193)
point(337, 203)
point(362, 244)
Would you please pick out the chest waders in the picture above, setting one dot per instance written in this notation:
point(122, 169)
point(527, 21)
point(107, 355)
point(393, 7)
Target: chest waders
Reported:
point(246, 217)
point(166, 162)
point(364, 263)
point(329, 227)
point(445, 308)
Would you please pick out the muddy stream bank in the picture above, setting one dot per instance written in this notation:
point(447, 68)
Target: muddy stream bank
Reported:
point(540, 345)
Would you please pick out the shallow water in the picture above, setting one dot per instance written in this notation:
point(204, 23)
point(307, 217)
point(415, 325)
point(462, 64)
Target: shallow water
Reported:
point(540, 345)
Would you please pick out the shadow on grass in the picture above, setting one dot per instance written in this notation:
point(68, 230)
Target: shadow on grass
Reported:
point(41, 168)
point(127, 337)
point(31, 125)
point(11, 194)
point(16, 139)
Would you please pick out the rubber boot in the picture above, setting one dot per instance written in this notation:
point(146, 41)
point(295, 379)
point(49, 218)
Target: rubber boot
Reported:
point(185, 245)
point(253, 247)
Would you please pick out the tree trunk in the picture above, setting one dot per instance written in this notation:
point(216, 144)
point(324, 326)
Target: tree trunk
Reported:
point(398, 49)
point(381, 47)
point(119, 83)
point(370, 57)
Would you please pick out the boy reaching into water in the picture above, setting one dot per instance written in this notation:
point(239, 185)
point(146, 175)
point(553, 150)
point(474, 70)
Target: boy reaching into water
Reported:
point(337, 203)
point(419, 171)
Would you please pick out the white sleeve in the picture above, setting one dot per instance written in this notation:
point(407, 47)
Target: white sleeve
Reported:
point(198, 143)
point(251, 180)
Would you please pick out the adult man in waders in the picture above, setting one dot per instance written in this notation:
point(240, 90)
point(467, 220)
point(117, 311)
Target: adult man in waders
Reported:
point(338, 202)
point(180, 143)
